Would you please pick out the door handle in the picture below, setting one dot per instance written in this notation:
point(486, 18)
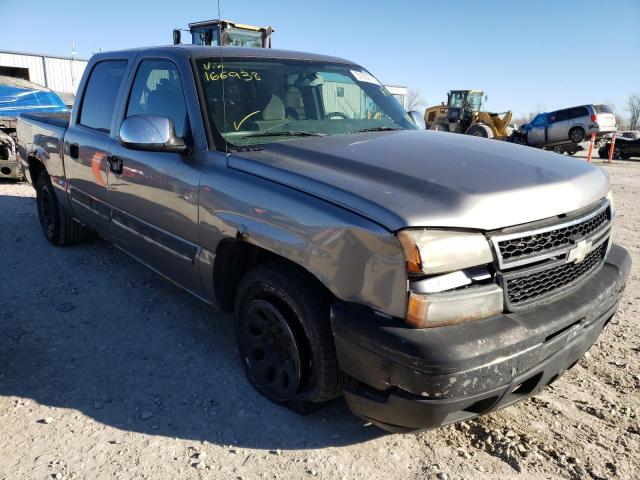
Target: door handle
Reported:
point(115, 163)
point(74, 150)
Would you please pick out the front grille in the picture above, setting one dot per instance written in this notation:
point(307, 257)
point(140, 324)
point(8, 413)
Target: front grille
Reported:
point(537, 263)
point(537, 286)
point(538, 243)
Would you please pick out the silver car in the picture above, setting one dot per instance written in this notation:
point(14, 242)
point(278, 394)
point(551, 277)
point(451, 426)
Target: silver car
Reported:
point(573, 125)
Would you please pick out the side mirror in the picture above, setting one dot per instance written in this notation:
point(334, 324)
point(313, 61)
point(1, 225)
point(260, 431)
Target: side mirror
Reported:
point(152, 133)
point(176, 36)
point(418, 119)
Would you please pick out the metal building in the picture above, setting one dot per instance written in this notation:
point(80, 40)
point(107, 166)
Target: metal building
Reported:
point(61, 74)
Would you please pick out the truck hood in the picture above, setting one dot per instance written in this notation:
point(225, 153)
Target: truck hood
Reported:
point(421, 178)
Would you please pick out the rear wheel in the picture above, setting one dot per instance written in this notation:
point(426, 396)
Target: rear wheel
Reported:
point(284, 337)
point(480, 130)
point(58, 226)
point(558, 149)
point(577, 134)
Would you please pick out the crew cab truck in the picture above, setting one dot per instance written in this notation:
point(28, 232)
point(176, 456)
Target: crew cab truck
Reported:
point(428, 277)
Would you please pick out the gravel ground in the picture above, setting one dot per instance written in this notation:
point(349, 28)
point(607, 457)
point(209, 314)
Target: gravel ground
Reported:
point(109, 371)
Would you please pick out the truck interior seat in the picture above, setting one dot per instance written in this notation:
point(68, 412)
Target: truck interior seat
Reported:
point(167, 100)
point(273, 113)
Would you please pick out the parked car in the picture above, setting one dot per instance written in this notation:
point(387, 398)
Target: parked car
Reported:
point(570, 125)
point(20, 96)
point(428, 277)
point(627, 145)
point(626, 135)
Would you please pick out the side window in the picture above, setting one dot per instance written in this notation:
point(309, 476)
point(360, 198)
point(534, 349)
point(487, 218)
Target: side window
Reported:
point(101, 94)
point(157, 90)
point(341, 95)
point(562, 115)
point(578, 112)
point(539, 121)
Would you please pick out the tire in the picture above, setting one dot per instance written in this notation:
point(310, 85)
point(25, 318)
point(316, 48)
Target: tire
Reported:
point(617, 153)
point(58, 226)
point(518, 139)
point(603, 152)
point(577, 135)
point(558, 149)
point(480, 130)
point(284, 337)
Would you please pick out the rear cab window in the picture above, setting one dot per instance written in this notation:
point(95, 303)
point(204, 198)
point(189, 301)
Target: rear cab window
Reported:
point(101, 95)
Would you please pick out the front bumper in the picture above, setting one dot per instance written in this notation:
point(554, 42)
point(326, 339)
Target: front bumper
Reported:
point(413, 379)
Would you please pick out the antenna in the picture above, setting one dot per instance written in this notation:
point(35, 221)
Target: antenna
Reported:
point(73, 63)
point(224, 101)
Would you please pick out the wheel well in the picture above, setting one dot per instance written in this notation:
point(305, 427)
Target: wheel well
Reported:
point(234, 258)
point(35, 168)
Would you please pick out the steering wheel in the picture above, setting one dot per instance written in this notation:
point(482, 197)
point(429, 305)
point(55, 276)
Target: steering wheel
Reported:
point(329, 115)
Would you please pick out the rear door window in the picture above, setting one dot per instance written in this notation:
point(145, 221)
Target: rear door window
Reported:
point(101, 94)
point(561, 115)
point(578, 112)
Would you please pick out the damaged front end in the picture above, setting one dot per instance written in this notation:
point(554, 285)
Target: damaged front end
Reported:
point(9, 161)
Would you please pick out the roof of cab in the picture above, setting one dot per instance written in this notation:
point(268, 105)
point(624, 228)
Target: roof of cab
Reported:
point(200, 51)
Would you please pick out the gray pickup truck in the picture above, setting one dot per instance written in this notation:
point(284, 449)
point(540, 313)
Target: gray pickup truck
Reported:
point(427, 277)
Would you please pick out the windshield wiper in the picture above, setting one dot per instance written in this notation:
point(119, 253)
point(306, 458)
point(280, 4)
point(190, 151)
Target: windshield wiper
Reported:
point(375, 129)
point(294, 133)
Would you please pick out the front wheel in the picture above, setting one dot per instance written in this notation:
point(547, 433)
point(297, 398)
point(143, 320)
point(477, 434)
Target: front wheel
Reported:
point(480, 130)
point(617, 153)
point(284, 337)
point(58, 226)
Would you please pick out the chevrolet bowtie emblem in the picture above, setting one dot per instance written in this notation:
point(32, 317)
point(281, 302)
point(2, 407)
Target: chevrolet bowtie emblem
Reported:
point(577, 253)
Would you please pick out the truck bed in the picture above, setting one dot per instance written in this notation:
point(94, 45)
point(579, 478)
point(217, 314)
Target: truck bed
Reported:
point(41, 136)
point(56, 119)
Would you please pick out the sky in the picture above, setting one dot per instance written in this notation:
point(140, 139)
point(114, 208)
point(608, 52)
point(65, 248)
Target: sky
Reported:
point(526, 55)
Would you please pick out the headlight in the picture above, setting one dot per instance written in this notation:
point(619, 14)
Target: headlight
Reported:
point(612, 204)
point(453, 291)
point(439, 251)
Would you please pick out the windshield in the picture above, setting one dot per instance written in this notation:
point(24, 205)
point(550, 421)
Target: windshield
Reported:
point(257, 101)
point(242, 38)
point(469, 101)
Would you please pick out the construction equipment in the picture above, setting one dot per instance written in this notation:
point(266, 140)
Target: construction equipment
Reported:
point(463, 114)
point(224, 32)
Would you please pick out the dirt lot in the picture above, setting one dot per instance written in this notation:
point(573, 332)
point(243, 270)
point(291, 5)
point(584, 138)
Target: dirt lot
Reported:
point(109, 371)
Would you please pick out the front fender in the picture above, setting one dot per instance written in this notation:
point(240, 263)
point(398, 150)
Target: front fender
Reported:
point(356, 259)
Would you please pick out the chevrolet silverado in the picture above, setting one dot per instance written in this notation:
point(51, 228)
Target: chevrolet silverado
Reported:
point(427, 277)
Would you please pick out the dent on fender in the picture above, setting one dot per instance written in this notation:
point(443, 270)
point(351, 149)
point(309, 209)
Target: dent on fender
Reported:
point(358, 260)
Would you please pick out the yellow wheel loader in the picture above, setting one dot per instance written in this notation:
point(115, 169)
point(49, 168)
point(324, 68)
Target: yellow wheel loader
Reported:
point(224, 32)
point(463, 114)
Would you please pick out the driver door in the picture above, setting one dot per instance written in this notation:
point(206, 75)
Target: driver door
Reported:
point(537, 132)
point(154, 195)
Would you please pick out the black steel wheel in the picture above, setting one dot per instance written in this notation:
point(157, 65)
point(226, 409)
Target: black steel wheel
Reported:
point(284, 336)
point(58, 226)
point(271, 350)
point(47, 212)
